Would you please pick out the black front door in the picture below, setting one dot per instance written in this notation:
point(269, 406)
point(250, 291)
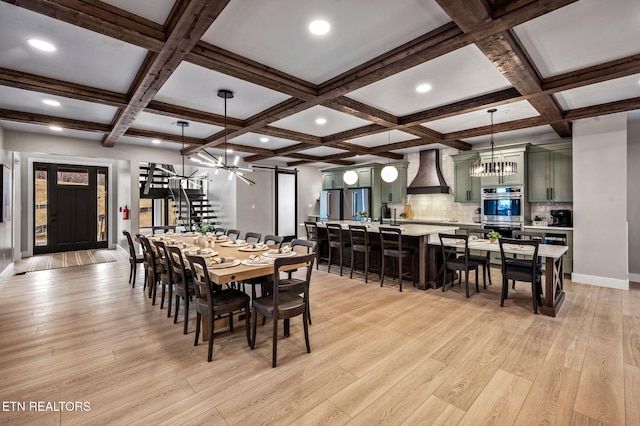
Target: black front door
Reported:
point(70, 210)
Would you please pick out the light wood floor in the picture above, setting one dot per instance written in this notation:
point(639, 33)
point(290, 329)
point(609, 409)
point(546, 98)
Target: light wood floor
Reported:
point(377, 357)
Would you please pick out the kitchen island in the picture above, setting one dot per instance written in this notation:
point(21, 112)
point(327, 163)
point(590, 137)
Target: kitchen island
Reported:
point(417, 237)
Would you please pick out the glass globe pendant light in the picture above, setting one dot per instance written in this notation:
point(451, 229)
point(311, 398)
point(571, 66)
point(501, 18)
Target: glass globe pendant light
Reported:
point(389, 173)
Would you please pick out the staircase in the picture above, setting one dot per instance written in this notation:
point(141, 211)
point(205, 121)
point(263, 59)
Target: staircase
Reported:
point(188, 202)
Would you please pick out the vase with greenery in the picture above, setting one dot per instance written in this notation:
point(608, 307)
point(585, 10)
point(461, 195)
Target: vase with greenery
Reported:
point(204, 227)
point(493, 236)
point(364, 216)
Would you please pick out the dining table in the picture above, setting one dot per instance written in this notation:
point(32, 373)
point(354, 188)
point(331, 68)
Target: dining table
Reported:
point(553, 255)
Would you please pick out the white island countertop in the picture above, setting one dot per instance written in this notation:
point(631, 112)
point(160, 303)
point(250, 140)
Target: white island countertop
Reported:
point(409, 229)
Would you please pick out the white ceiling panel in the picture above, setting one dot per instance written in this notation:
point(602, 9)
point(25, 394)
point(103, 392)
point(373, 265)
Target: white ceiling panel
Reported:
point(322, 151)
point(471, 120)
point(254, 140)
point(599, 31)
point(305, 121)
point(414, 149)
point(195, 87)
point(27, 101)
point(164, 124)
point(538, 134)
point(82, 56)
point(158, 13)
point(275, 33)
point(600, 93)
point(383, 138)
point(45, 130)
point(462, 74)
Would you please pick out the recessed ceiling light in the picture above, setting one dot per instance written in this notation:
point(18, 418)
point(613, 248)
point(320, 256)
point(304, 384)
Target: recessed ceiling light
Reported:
point(423, 88)
point(156, 141)
point(321, 121)
point(41, 45)
point(319, 27)
point(56, 128)
point(264, 139)
point(51, 102)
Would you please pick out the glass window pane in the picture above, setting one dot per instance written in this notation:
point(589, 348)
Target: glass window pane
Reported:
point(41, 211)
point(73, 176)
point(102, 205)
point(145, 213)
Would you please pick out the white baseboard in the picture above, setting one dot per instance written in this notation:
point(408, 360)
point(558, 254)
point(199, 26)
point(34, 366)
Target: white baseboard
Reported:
point(600, 281)
point(634, 277)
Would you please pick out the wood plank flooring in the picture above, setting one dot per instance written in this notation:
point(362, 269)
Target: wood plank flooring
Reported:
point(378, 356)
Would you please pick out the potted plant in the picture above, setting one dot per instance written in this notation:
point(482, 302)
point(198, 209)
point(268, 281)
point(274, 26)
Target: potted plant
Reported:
point(493, 236)
point(363, 216)
point(403, 215)
point(204, 227)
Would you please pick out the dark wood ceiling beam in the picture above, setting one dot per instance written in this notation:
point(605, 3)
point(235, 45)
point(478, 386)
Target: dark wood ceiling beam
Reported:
point(47, 120)
point(188, 114)
point(312, 159)
point(100, 18)
point(50, 86)
point(164, 137)
point(291, 135)
point(497, 128)
point(195, 20)
point(363, 111)
point(603, 109)
point(596, 74)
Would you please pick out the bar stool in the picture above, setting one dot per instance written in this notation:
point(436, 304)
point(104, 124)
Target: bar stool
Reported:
point(360, 243)
point(336, 243)
point(391, 246)
point(313, 234)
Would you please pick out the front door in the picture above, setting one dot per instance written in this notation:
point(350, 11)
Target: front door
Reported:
point(70, 207)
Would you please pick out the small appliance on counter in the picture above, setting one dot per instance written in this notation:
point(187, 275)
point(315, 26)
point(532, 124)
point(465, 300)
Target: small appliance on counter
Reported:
point(563, 218)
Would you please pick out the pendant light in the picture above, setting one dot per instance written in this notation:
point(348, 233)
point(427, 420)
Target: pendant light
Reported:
point(350, 177)
point(389, 173)
point(497, 166)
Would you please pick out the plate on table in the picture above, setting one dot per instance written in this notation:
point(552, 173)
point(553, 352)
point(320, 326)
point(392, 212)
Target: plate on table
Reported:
point(519, 247)
point(233, 244)
point(274, 253)
point(257, 262)
point(234, 262)
point(254, 247)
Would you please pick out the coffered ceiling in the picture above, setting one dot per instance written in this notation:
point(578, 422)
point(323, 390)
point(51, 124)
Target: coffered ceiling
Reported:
point(125, 72)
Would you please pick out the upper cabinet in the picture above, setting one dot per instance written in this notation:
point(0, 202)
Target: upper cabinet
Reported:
point(364, 178)
point(550, 173)
point(332, 180)
point(396, 191)
point(517, 154)
point(466, 188)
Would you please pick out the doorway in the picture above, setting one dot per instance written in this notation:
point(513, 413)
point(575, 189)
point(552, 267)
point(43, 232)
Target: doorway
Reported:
point(70, 207)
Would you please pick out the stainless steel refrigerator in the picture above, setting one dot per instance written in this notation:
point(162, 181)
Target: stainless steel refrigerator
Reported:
point(331, 204)
point(355, 201)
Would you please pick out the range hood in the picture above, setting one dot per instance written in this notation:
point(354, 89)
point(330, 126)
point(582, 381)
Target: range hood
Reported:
point(429, 179)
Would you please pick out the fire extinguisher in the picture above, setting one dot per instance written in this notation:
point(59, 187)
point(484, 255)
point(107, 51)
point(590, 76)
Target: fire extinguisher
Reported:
point(125, 213)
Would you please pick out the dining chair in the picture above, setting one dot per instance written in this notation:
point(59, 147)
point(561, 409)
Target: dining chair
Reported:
point(273, 240)
point(484, 259)
point(454, 260)
point(531, 235)
point(523, 268)
point(391, 246)
point(134, 258)
point(233, 234)
point(313, 234)
point(252, 237)
point(337, 244)
point(166, 278)
point(297, 284)
point(219, 231)
point(284, 303)
point(215, 302)
point(154, 269)
point(183, 282)
point(359, 237)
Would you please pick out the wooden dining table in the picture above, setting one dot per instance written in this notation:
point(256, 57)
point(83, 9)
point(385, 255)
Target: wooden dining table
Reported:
point(553, 255)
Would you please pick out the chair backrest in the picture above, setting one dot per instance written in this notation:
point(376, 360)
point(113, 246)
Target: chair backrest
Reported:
point(149, 255)
point(163, 256)
point(219, 231)
point(449, 246)
point(528, 235)
point(273, 240)
point(252, 237)
point(334, 232)
point(359, 235)
point(312, 230)
point(233, 234)
point(390, 238)
point(177, 265)
point(480, 233)
point(525, 257)
point(309, 245)
point(203, 288)
point(280, 263)
point(132, 247)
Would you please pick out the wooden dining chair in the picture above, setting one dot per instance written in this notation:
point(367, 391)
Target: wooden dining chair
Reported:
point(523, 268)
point(218, 231)
point(457, 259)
point(134, 258)
point(273, 240)
point(252, 237)
point(183, 281)
point(154, 269)
point(215, 302)
point(284, 303)
point(483, 259)
point(166, 277)
point(233, 234)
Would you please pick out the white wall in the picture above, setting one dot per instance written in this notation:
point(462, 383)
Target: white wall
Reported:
point(633, 199)
point(6, 228)
point(600, 201)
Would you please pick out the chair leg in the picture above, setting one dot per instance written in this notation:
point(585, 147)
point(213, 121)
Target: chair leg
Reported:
point(254, 328)
point(275, 343)
point(382, 270)
point(210, 349)
point(247, 323)
point(466, 281)
point(186, 314)
point(534, 294)
point(170, 296)
point(131, 269)
point(306, 331)
point(489, 271)
point(400, 272)
point(505, 289)
point(175, 316)
point(353, 254)
point(477, 273)
point(198, 319)
point(366, 266)
point(231, 322)
point(341, 260)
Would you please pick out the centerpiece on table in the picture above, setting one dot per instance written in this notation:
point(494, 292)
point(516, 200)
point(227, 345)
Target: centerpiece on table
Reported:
point(203, 227)
point(364, 216)
point(493, 236)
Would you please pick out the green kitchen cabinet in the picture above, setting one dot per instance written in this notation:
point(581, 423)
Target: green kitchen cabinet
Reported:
point(466, 188)
point(550, 173)
point(332, 180)
point(364, 178)
point(396, 191)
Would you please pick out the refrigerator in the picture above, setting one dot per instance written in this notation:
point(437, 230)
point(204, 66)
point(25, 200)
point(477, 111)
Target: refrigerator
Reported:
point(331, 204)
point(355, 201)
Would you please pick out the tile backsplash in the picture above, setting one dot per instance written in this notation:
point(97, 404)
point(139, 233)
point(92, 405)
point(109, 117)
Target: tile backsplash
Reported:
point(442, 207)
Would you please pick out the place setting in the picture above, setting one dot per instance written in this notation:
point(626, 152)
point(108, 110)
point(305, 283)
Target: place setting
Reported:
point(222, 262)
point(285, 251)
point(254, 247)
point(235, 243)
point(204, 252)
point(258, 260)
